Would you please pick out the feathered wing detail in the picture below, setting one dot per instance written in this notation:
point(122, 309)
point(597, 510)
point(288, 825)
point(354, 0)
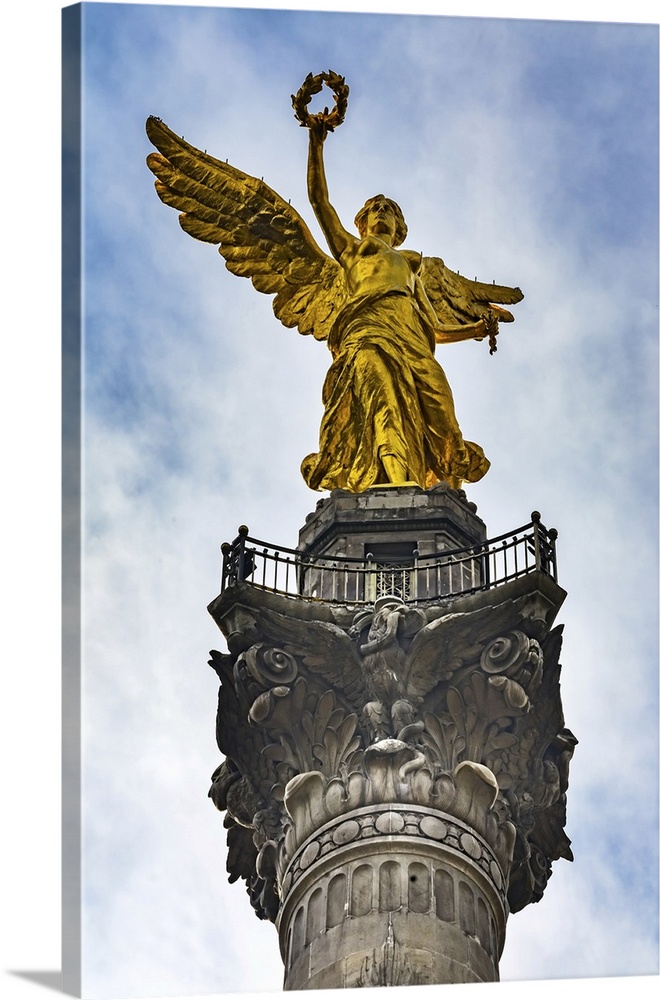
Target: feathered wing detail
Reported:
point(324, 648)
point(458, 300)
point(260, 235)
point(432, 656)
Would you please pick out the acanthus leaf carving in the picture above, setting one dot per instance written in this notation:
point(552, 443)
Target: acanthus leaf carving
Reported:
point(338, 745)
point(432, 709)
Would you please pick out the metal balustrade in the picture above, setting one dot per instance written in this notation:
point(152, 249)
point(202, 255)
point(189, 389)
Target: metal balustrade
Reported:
point(428, 577)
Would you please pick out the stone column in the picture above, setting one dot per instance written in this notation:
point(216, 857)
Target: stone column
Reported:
point(394, 894)
point(395, 775)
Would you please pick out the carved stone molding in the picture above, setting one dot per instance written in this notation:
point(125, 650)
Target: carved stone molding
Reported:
point(389, 896)
point(385, 828)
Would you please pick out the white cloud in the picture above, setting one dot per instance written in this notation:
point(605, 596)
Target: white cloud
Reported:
point(565, 410)
point(231, 406)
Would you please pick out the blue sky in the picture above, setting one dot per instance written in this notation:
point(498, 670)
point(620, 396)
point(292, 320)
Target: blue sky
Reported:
point(520, 151)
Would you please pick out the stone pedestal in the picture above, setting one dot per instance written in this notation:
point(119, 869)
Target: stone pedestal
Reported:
point(425, 521)
point(392, 530)
point(396, 764)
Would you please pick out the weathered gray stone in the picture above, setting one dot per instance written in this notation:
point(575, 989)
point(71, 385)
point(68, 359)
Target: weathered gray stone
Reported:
point(395, 773)
point(346, 523)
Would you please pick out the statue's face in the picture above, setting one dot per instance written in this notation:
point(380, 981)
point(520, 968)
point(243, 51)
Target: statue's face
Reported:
point(381, 220)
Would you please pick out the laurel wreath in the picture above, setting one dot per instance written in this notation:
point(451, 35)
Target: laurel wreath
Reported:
point(326, 119)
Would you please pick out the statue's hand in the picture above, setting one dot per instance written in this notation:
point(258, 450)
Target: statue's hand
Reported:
point(318, 132)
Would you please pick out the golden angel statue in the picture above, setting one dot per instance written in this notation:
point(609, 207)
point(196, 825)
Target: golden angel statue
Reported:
point(389, 411)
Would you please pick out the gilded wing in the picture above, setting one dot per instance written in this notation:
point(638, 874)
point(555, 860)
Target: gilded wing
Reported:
point(458, 300)
point(260, 235)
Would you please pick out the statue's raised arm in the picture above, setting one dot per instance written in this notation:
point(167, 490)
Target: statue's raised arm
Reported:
point(389, 412)
point(319, 125)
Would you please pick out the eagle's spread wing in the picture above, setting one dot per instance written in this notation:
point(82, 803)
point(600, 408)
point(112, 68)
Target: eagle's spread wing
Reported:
point(325, 649)
point(433, 658)
point(259, 234)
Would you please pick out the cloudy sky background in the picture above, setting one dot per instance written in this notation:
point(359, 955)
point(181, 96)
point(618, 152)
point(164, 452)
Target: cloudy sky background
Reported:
point(520, 151)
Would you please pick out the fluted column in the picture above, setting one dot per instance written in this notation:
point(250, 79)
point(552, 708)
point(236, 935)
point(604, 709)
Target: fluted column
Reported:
point(395, 894)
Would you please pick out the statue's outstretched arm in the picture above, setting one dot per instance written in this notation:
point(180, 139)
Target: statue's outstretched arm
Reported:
point(317, 188)
point(466, 310)
point(452, 334)
point(446, 333)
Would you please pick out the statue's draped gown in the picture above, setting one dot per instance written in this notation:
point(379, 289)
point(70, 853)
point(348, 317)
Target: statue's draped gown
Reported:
point(385, 394)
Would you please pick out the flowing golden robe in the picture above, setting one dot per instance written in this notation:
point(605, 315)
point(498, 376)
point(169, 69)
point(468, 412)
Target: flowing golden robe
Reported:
point(385, 394)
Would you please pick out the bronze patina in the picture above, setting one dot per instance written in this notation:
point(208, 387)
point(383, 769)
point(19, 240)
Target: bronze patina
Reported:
point(389, 411)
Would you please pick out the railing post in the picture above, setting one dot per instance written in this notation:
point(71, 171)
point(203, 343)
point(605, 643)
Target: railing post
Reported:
point(369, 579)
point(301, 572)
point(536, 521)
point(243, 532)
point(515, 557)
point(226, 549)
point(552, 536)
point(276, 560)
point(484, 555)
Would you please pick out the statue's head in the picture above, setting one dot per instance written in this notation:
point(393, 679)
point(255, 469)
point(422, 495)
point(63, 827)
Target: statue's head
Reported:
point(371, 206)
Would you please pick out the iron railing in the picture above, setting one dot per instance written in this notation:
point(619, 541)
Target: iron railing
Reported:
point(346, 580)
